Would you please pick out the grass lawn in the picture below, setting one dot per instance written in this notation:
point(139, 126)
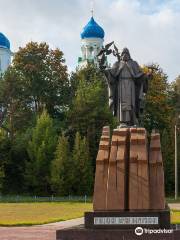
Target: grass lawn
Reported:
point(175, 216)
point(172, 200)
point(40, 213)
point(12, 214)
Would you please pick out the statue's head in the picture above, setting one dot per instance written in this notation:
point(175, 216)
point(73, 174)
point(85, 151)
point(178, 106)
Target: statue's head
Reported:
point(125, 56)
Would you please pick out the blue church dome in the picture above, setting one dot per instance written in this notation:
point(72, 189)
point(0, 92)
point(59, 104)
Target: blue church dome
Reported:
point(92, 30)
point(4, 42)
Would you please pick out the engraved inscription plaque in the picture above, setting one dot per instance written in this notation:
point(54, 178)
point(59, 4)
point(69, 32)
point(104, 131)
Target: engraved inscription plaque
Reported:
point(126, 220)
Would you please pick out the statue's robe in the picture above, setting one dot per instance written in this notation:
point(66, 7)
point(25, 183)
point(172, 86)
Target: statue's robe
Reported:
point(125, 90)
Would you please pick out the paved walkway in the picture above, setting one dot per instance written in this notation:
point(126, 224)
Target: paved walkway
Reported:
point(174, 206)
point(38, 232)
point(46, 231)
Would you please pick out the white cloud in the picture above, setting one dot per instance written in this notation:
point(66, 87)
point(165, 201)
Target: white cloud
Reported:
point(151, 30)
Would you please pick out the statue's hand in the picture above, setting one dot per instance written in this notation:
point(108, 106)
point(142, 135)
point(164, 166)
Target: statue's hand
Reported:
point(150, 72)
point(102, 67)
point(102, 61)
point(148, 75)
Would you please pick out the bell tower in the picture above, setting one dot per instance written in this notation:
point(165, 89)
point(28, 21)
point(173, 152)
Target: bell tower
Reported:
point(92, 38)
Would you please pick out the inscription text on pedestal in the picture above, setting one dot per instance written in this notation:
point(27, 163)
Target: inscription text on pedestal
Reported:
point(125, 220)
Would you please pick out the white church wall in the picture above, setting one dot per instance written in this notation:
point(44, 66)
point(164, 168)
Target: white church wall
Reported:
point(90, 47)
point(5, 59)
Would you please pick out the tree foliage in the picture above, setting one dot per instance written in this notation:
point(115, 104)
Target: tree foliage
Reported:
point(62, 169)
point(41, 153)
point(45, 76)
point(83, 177)
point(32, 161)
point(160, 112)
point(16, 114)
point(157, 109)
point(89, 111)
point(4, 157)
point(175, 102)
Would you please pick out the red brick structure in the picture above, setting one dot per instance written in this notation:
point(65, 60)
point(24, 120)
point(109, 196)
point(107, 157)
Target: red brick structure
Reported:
point(129, 174)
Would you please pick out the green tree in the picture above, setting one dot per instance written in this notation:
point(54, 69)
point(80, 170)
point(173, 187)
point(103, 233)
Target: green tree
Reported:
point(158, 115)
point(167, 143)
point(4, 157)
point(41, 153)
point(175, 98)
point(15, 166)
point(1, 179)
point(89, 111)
point(37, 79)
point(62, 169)
point(16, 114)
point(45, 77)
point(82, 170)
point(157, 108)
point(175, 102)
point(90, 74)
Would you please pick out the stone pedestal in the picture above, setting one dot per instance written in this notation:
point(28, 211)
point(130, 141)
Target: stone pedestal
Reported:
point(128, 220)
point(128, 190)
point(129, 175)
point(81, 233)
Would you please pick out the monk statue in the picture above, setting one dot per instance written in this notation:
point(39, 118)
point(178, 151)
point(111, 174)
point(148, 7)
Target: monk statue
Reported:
point(127, 85)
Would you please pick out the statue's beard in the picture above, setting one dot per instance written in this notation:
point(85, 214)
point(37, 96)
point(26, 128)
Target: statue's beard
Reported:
point(125, 57)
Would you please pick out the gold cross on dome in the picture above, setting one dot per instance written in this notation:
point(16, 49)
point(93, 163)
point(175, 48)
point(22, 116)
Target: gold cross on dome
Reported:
point(92, 8)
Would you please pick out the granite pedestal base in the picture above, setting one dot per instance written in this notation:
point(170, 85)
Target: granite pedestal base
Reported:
point(81, 233)
point(127, 219)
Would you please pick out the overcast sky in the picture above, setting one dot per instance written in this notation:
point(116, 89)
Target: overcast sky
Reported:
point(149, 28)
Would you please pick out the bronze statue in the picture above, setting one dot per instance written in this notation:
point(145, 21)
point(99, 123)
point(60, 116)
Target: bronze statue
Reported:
point(127, 85)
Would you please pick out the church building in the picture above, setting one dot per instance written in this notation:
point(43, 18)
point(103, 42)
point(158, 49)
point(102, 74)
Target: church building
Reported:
point(5, 53)
point(92, 38)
